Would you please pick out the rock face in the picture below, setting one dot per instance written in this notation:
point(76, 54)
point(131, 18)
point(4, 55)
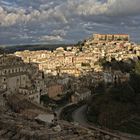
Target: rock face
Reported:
point(17, 126)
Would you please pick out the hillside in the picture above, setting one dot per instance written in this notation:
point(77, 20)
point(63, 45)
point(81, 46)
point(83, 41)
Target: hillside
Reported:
point(11, 49)
point(118, 107)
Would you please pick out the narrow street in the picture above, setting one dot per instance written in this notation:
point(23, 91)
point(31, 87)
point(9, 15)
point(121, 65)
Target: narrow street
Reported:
point(60, 109)
point(79, 115)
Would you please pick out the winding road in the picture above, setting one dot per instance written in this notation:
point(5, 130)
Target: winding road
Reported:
point(58, 111)
point(79, 116)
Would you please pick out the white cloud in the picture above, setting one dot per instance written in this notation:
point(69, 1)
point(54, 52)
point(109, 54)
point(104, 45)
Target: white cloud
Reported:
point(60, 32)
point(51, 38)
point(69, 10)
point(123, 7)
point(98, 7)
point(20, 15)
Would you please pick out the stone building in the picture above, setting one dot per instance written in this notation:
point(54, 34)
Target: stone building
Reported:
point(13, 73)
point(19, 77)
point(54, 89)
point(80, 95)
point(111, 37)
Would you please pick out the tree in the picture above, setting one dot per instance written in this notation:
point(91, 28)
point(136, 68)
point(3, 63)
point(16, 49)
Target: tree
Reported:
point(137, 67)
point(85, 64)
point(2, 51)
point(122, 93)
point(135, 82)
point(100, 88)
point(102, 61)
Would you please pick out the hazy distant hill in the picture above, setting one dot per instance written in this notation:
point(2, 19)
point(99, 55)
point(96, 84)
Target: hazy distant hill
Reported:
point(11, 49)
point(1, 51)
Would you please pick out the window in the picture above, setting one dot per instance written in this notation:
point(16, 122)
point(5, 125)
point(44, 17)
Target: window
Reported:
point(5, 71)
point(17, 80)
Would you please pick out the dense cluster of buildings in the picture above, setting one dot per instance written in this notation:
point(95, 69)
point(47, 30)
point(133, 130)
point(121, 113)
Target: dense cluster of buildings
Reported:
point(30, 72)
point(78, 60)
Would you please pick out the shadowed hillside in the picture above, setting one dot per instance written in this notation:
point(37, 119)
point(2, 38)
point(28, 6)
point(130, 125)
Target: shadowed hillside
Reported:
point(118, 106)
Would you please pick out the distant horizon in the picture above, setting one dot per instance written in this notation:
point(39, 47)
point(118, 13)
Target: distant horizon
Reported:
point(43, 44)
point(60, 43)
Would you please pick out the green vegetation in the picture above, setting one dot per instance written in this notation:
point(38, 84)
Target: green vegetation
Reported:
point(81, 43)
point(100, 88)
point(127, 66)
point(135, 82)
point(2, 50)
point(64, 99)
point(47, 101)
point(34, 47)
point(102, 62)
point(85, 64)
point(119, 105)
point(132, 126)
point(137, 67)
point(115, 101)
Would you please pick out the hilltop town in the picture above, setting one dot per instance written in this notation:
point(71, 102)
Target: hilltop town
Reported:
point(83, 60)
point(57, 72)
point(68, 75)
point(75, 60)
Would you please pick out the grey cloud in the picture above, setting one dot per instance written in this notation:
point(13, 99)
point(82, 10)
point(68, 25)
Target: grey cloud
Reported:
point(8, 19)
point(69, 10)
point(60, 32)
point(66, 20)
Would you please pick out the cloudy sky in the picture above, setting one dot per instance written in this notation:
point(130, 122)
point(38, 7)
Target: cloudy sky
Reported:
point(66, 21)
